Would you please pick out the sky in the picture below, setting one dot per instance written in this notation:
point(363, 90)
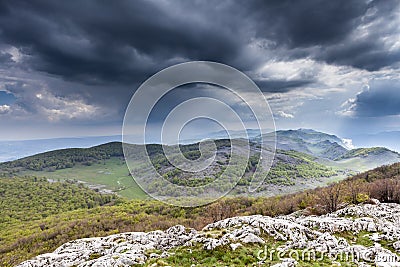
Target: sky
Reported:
point(69, 68)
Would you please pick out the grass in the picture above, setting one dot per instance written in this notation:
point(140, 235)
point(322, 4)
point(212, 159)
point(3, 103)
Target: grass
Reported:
point(220, 256)
point(360, 238)
point(112, 173)
point(247, 255)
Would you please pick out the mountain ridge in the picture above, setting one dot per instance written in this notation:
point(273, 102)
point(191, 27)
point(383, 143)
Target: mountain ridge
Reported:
point(304, 159)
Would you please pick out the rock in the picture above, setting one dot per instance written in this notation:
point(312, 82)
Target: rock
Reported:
point(381, 221)
point(235, 246)
point(252, 238)
point(154, 256)
point(287, 262)
point(374, 201)
point(371, 227)
point(166, 254)
point(375, 237)
point(211, 244)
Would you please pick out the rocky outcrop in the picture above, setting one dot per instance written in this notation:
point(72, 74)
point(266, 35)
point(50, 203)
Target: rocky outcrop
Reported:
point(379, 223)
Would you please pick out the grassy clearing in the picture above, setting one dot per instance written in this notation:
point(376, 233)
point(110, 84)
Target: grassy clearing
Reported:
point(112, 174)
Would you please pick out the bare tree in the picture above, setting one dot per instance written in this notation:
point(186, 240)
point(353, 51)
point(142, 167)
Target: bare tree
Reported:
point(330, 197)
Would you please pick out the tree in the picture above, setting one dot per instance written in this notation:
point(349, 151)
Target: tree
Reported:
point(331, 196)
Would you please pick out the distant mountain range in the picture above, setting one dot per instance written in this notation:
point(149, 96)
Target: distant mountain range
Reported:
point(327, 148)
point(311, 142)
point(389, 139)
point(12, 150)
point(304, 159)
point(249, 133)
point(332, 150)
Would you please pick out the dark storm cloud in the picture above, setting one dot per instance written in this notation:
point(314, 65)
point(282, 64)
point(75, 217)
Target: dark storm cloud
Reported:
point(281, 86)
point(367, 48)
point(127, 41)
point(380, 99)
point(5, 58)
point(96, 42)
point(331, 31)
point(92, 55)
point(270, 86)
point(306, 23)
point(364, 55)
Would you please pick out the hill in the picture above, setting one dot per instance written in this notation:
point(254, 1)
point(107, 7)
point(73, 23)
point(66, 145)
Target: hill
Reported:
point(304, 159)
point(380, 154)
point(32, 198)
point(12, 150)
point(388, 139)
point(368, 158)
point(103, 167)
point(308, 141)
point(335, 239)
point(334, 151)
point(30, 236)
point(64, 158)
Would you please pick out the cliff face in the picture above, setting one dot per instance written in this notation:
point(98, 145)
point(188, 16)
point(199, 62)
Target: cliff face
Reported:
point(367, 234)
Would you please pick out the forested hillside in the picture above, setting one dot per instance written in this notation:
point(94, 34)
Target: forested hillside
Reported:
point(64, 158)
point(32, 198)
point(43, 230)
point(103, 166)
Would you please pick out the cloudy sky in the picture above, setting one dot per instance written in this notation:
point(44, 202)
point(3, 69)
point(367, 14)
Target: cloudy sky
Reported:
point(69, 68)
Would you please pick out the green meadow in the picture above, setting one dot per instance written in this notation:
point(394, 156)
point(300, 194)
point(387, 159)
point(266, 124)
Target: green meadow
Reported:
point(110, 174)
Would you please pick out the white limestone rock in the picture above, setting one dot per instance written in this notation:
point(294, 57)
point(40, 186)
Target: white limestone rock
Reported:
point(287, 262)
point(380, 220)
point(235, 246)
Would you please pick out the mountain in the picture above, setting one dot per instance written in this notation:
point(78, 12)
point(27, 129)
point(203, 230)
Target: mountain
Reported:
point(334, 151)
point(310, 136)
point(12, 150)
point(308, 141)
point(388, 139)
point(234, 134)
point(368, 158)
point(328, 149)
point(104, 167)
point(311, 142)
point(367, 229)
point(304, 159)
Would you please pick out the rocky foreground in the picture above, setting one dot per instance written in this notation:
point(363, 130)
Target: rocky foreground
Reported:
point(363, 235)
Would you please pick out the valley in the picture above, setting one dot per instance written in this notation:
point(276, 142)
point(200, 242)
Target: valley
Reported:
point(304, 159)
